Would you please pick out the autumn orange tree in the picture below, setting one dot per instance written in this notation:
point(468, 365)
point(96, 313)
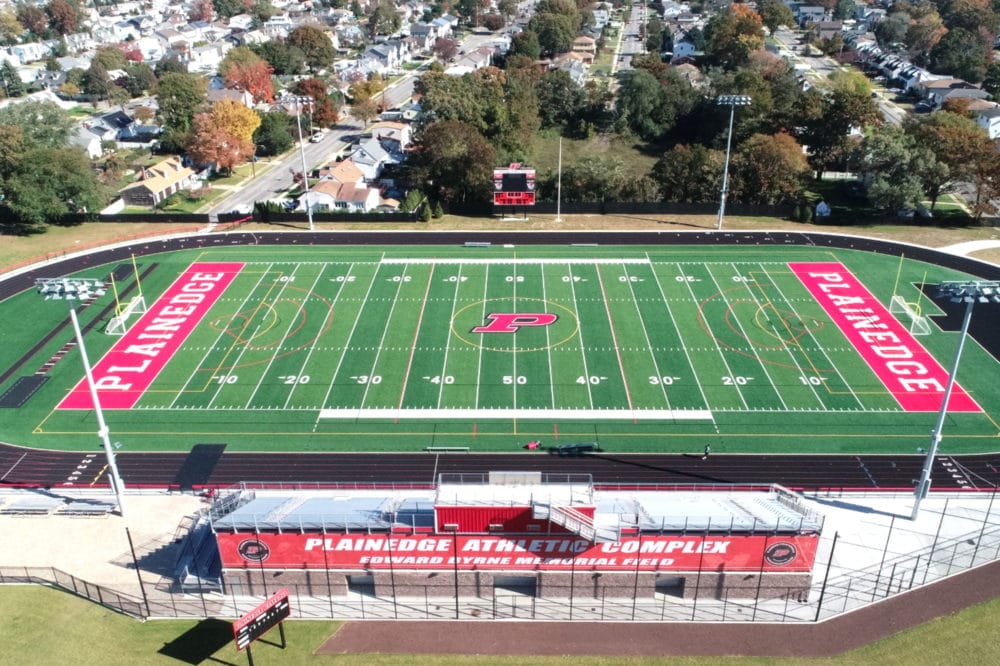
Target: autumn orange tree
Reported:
point(224, 135)
point(324, 109)
point(769, 169)
point(243, 69)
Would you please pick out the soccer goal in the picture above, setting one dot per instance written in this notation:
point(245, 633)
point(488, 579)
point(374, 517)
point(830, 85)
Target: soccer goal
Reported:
point(119, 323)
point(918, 323)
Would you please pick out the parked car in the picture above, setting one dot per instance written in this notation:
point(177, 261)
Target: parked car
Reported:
point(317, 136)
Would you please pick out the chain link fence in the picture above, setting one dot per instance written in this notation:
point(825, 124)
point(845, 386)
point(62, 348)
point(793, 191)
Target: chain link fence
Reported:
point(906, 558)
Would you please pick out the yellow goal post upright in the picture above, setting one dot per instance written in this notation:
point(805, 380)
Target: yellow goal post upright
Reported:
point(910, 311)
point(136, 305)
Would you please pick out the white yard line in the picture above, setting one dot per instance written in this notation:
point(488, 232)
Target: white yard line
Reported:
point(548, 347)
point(680, 339)
point(381, 342)
point(222, 332)
point(444, 260)
point(447, 346)
point(322, 327)
point(510, 413)
point(614, 342)
point(649, 345)
point(416, 334)
point(743, 332)
point(725, 362)
point(479, 366)
point(248, 340)
point(779, 335)
point(815, 341)
point(579, 333)
point(277, 347)
point(347, 345)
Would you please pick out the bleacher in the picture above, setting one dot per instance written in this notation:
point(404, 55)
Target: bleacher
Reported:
point(199, 567)
point(85, 509)
point(31, 505)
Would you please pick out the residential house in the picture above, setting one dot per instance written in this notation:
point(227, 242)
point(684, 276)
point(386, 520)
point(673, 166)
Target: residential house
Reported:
point(684, 47)
point(30, 52)
point(341, 187)
point(241, 22)
point(828, 29)
point(938, 90)
point(586, 46)
point(809, 14)
point(157, 183)
point(471, 61)
point(573, 64)
point(989, 120)
point(80, 42)
point(393, 136)
point(87, 140)
point(207, 58)
point(370, 157)
point(241, 96)
point(692, 75)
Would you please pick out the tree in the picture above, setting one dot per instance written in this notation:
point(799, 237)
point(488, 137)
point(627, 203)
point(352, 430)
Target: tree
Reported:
point(768, 169)
point(140, 79)
point(445, 48)
point(170, 65)
point(892, 29)
point(43, 124)
point(651, 107)
point(991, 81)
point(844, 10)
point(654, 34)
point(963, 54)
point(253, 77)
point(63, 17)
point(526, 44)
point(364, 108)
point(774, 13)
point(235, 119)
point(556, 32)
point(202, 10)
point(110, 57)
point(733, 34)
point(593, 178)
point(180, 97)
point(33, 18)
point(560, 99)
point(10, 27)
point(922, 35)
point(452, 161)
point(315, 44)
point(827, 119)
point(283, 58)
point(211, 143)
point(959, 143)
point(96, 81)
point(323, 108)
point(384, 20)
point(229, 8)
point(11, 80)
point(48, 183)
point(274, 135)
point(891, 162)
point(689, 174)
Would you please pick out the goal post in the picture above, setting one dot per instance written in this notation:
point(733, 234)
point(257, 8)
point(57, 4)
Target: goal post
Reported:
point(919, 325)
point(119, 323)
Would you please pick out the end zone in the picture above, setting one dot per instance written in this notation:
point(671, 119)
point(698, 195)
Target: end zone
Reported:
point(908, 371)
point(131, 365)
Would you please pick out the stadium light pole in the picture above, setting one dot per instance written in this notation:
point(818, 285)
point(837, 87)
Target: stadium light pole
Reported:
point(732, 101)
point(82, 289)
point(299, 101)
point(968, 292)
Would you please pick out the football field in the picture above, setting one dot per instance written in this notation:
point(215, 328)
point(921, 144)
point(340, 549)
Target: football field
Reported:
point(405, 348)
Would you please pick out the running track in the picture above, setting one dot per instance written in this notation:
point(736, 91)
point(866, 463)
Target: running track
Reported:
point(51, 469)
point(35, 468)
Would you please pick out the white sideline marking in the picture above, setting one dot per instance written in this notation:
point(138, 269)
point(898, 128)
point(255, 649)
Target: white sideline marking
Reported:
point(434, 260)
point(510, 413)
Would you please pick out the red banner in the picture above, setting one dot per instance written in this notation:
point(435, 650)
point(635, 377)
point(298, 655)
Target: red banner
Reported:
point(914, 378)
point(130, 367)
point(794, 553)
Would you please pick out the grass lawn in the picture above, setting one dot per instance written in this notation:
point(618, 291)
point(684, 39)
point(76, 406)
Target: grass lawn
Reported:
point(545, 153)
point(43, 626)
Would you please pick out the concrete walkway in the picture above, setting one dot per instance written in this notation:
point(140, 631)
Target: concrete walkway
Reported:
point(970, 246)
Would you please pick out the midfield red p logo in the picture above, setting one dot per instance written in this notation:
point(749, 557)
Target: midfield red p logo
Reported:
point(509, 322)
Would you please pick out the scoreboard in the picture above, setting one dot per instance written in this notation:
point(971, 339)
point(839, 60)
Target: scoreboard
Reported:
point(513, 186)
point(261, 619)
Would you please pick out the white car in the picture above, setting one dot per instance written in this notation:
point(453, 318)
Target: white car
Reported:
point(317, 136)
